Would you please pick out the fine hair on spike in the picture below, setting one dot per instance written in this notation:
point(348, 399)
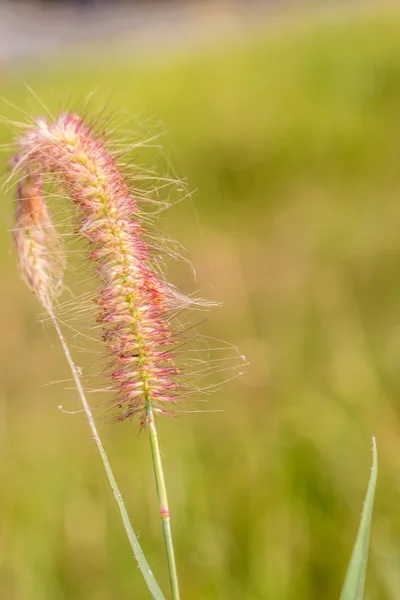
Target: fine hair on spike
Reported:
point(137, 308)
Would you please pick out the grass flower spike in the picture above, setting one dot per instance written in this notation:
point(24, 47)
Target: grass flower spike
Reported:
point(133, 299)
point(135, 303)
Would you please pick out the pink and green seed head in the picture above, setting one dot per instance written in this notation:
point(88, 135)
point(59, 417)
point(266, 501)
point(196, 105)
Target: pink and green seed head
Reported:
point(133, 299)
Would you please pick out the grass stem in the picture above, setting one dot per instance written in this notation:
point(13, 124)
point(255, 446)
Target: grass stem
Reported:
point(163, 500)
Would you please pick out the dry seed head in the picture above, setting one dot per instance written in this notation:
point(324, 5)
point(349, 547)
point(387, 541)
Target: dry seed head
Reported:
point(134, 301)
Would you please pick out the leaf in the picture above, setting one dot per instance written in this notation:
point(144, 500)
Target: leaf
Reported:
point(353, 588)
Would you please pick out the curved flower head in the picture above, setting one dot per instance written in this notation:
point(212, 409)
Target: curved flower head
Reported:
point(134, 300)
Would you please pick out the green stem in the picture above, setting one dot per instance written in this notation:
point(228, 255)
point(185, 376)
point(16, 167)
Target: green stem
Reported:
point(163, 500)
point(137, 550)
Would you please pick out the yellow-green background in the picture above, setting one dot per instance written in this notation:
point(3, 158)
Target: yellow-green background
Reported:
point(291, 138)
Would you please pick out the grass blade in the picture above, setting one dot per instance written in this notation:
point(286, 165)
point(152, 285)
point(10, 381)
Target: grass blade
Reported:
point(353, 588)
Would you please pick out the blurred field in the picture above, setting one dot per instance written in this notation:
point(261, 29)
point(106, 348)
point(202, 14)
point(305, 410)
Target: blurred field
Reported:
point(292, 141)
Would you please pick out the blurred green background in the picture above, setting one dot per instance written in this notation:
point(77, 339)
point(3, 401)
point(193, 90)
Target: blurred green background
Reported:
point(291, 137)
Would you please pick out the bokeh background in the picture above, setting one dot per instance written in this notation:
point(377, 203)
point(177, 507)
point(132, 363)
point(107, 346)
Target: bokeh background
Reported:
point(285, 119)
